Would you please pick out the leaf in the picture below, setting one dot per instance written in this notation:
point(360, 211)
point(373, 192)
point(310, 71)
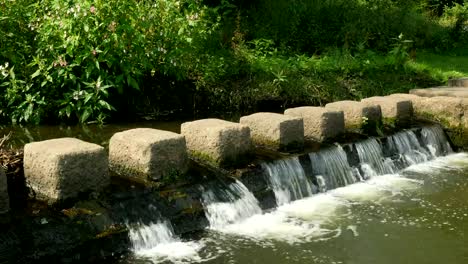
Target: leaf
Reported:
point(87, 98)
point(181, 31)
point(36, 73)
point(106, 105)
point(85, 115)
point(133, 83)
point(97, 65)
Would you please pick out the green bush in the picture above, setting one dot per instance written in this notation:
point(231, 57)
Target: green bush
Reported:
point(81, 50)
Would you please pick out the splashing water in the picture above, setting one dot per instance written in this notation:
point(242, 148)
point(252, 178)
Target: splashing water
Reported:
point(288, 180)
point(157, 242)
point(239, 204)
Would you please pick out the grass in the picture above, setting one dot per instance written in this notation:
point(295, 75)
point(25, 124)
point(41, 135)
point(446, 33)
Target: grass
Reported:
point(453, 64)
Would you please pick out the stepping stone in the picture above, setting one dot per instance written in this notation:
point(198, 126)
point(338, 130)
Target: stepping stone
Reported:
point(147, 154)
point(446, 110)
point(4, 199)
point(357, 115)
point(320, 123)
point(394, 110)
point(461, 82)
point(218, 142)
point(62, 168)
point(442, 91)
point(275, 130)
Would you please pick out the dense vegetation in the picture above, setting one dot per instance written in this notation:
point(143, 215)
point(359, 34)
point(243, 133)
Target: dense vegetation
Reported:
point(85, 61)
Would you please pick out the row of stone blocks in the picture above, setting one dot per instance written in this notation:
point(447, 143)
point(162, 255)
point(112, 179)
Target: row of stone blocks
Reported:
point(62, 168)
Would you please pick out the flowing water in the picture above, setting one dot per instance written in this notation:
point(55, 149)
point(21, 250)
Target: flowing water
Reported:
point(403, 200)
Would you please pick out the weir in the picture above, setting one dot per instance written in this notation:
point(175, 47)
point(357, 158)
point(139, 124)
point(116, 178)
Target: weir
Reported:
point(236, 209)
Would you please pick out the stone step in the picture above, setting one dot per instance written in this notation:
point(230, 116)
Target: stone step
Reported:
point(218, 142)
point(357, 114)
point(394, 110)
point(147, 154)
point(450, 91)
point(62, 168)
point(320, 123)
point(277, 131)
point(460, 82)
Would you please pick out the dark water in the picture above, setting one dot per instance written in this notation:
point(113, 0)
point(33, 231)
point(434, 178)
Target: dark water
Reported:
point(99, 134)
point(417, 216)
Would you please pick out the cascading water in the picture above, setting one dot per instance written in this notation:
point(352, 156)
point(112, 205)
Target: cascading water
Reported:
point(372, 159)
point(332, 169)
point(436, 141)
point(232, 209)
point(407, 146)
point(230, 205)
point(146, 237)
point(288, 180)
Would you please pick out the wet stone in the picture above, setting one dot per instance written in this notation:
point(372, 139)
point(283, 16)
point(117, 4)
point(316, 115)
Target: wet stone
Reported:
point(147, 154)
point(218, 142)
point(4, 198)
point(394, 109)
point(277, 131)
point(357, 114)
point(62, 168)
point(320, 123)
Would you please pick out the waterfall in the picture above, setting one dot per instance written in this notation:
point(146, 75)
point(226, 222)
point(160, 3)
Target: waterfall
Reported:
point(158, 242)
point(332, 169)
point(408, 148)
point(372, 159)
point(145, 237)
point(230, 205)
point(288, 180)
point(435, 140)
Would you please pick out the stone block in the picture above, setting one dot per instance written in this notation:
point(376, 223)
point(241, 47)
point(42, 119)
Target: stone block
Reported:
point(62, 168)
point(441, 91)
point(446, 110)
point(461, 82)
point(275, 130)
point(394, 109)
point(320, 123)
point(219, 142)
point(147, 154)
point(357, 114)
point(4, 198)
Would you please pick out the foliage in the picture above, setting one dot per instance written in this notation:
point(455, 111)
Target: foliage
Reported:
point(83, 49)
point(88, 60)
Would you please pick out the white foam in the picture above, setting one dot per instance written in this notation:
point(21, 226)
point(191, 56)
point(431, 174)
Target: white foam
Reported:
point(157, 242)
point(450, 162)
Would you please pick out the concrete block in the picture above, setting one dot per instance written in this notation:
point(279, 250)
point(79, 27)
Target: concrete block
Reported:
point(441, 91)
point(357, 114)
point(218, 142)
point(61, 168)
point(394, 109)
point(147, 154)
point(461, 82)
point(278, 131)
point(320, 123)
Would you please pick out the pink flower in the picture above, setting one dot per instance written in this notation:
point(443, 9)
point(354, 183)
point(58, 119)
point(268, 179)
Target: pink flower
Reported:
point(92, 9)
point(94, 52)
